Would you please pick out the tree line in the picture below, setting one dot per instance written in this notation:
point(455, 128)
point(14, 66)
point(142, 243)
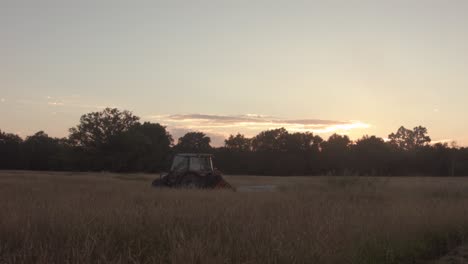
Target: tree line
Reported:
point(115, 140)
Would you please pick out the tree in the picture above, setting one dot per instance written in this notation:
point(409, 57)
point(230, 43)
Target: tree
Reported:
point(196, 142)
point(337, 143)
point(334, 155)
point(369, 143)
point(402, 139)
point(279, 152)
point(144, 147)
point(41, 152)
point(318, 141)
point(96, 129)
point(270, 140)
point(238, 143)
point(10, 152)
point(298, 142)
point(406, 139)
point(420, 136)
point(370, 155)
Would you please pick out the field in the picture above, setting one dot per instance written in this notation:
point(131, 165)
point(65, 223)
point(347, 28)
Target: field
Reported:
point(115, 218)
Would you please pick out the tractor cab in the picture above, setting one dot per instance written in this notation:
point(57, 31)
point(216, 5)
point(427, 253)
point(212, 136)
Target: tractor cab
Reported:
point(200, 163)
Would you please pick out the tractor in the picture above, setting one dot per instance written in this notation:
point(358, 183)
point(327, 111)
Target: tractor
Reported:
point(192, 171)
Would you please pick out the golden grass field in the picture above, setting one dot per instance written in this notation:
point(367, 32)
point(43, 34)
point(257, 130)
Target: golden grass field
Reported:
point(116, 218)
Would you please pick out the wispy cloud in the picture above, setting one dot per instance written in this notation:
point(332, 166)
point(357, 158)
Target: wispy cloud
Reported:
point(259, 122)
point(70, 102)
point(2, 100)
point(73, 101)
point(56, 103)
point(251, 124)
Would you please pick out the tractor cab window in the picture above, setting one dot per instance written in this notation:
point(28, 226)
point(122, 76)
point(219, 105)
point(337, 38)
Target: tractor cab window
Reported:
point(200, 164)
point(180, 164)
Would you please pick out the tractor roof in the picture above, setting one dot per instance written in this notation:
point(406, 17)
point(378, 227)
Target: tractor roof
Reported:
point(194, 155)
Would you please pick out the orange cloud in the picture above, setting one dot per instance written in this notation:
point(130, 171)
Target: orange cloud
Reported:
point(251, 124)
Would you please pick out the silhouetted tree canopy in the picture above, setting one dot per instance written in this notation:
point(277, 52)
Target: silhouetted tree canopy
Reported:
point(41, 151)
point(371, 155)
point(196, 142)
point(143, 147)
point(407, 139)
point(336, 143)
point(10, 151)
point(114, 140)
point(270, 140)
point(97, 128)
point(370, 145)
point(335, 154)
point(238, 143)
point(302, 141)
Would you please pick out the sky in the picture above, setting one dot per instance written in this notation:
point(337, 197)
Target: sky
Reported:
point(222, 67)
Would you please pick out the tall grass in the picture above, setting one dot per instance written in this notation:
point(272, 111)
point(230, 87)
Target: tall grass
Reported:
point(85, 218)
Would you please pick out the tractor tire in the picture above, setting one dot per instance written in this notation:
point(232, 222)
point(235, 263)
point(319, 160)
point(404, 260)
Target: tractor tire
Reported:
point(159, 183)
point(192, 181)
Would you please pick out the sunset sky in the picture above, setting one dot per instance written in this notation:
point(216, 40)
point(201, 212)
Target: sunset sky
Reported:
point(222, 67)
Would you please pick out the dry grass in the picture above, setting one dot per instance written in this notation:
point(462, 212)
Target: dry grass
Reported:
point(106, 218)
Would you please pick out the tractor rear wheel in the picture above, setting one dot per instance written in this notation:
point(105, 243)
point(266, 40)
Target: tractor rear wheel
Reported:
point(192, 180)
point(159, 183)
